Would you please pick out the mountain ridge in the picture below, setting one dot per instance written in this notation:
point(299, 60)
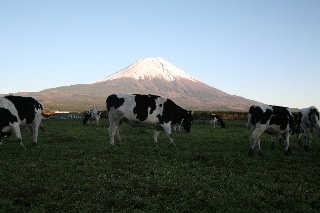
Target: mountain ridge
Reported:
point(145, 76)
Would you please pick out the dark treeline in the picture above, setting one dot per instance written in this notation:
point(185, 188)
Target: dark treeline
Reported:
point(227, 115)
point(204, 115)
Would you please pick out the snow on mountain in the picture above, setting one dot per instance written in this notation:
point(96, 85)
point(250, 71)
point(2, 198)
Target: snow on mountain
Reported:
point(149, 68)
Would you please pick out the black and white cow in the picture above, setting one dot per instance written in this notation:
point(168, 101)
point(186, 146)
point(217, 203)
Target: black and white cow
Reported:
point(273, 120)
point(91, 115)
point(308, 119)
point(216, 120)
point(139, 110)
point(17, 112)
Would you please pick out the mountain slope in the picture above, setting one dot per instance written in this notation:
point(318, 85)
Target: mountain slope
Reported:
point(147, 76)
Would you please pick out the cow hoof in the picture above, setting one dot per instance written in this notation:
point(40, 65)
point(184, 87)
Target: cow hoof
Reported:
point(260, 154)
point(288, 151)
point(251, 152)
point(299, 142)
point(273, 146)
point(306, 148)
point(34, 144)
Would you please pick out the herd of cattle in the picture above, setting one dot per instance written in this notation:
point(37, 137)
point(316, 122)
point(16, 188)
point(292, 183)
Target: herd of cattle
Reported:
point(138, 110)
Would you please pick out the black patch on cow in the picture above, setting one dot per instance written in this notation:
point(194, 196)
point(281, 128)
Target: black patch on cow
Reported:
point(257, 115)
point(282, 117)
point(317, 114)
point(297, 122)
point(143, 103)
point(5, 118)
point(114, 101)
point(25, 106)
point(176, 114)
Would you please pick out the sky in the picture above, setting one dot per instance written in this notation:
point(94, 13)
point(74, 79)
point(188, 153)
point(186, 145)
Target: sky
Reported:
point(266, 50)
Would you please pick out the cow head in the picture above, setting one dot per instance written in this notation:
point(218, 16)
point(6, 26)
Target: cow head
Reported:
point(187, 121)
point(221, 123)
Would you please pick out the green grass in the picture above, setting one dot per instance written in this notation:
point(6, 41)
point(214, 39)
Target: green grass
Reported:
point(73, 169)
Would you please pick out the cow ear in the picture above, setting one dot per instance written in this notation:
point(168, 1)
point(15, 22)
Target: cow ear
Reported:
point(190, 112)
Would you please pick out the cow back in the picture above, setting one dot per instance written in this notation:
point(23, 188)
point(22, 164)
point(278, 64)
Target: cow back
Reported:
point(26, 107)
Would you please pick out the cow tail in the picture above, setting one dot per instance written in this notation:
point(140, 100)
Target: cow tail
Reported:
point(250, 118)
point(249, 121)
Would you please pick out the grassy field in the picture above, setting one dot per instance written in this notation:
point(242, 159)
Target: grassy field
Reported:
point(73, 169)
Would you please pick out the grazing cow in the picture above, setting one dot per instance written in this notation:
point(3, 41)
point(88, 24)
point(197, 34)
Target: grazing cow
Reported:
point(17, 112)
point(216, 120)
point(308, 120)
point(92, 115)
point(273, 120)
point(145, 110)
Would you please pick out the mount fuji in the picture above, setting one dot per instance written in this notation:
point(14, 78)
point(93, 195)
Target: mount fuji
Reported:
point(145, 76)
point(150, 68)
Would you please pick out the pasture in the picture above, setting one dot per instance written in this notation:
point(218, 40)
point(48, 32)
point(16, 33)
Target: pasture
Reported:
point(73, 169)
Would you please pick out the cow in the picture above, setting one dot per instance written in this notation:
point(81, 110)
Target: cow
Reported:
point(216, 120)
point(273, 120)
point(308, 120)
point(18, 112)
point(141, 110)
point(91, 115)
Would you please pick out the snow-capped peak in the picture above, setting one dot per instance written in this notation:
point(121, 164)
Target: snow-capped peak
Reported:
point(148, 68)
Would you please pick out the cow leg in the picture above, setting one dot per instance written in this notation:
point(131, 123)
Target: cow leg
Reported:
point(308, 140)
point(255, 138)
point(299, 138)
point(167, 131)
point(252, 144)
point(118, 139)
point(16, 130)
point(35, 135)
point(286, 144)
point(30, 130)
point(273, 138)
point(42, 128)
point(258, 146)
point(155, 136)
point(35, 131)
point(114, 129)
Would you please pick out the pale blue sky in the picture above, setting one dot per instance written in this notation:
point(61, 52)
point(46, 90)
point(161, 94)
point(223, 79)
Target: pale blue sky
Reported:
point(264, 50)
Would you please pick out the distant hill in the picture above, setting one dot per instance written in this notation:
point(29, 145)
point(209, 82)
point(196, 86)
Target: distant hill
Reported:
point(147, 76)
